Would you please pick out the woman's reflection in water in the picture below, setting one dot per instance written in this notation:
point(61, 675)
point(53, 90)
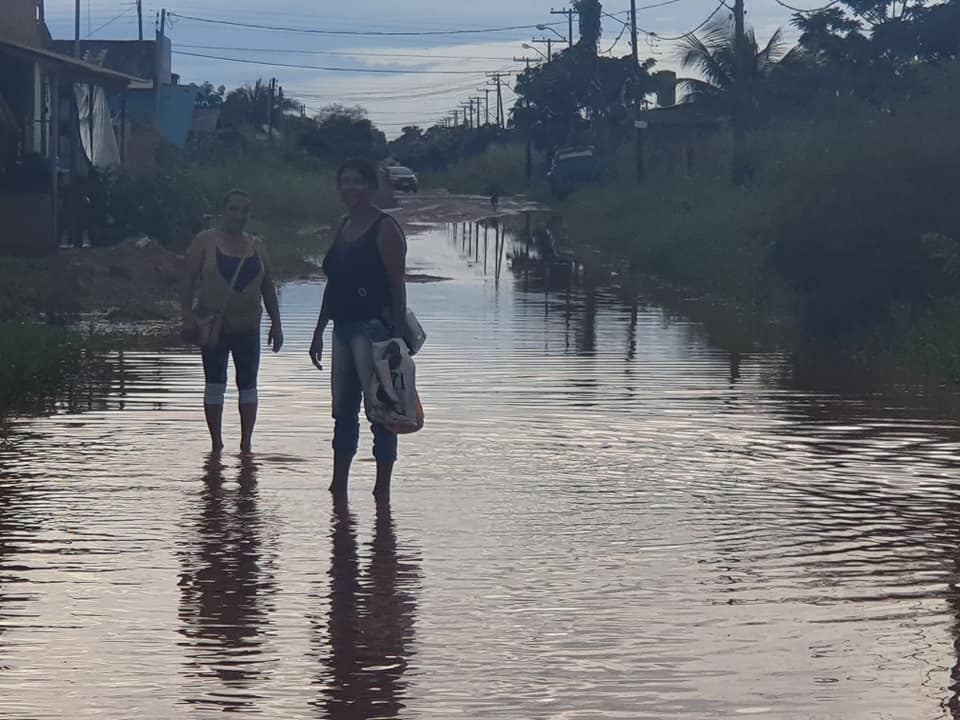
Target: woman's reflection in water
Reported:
point(370, 624)
point(223, 587)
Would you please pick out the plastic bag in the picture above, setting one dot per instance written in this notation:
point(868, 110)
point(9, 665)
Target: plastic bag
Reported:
point(394, 402)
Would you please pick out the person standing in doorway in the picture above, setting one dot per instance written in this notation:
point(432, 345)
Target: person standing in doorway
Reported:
point(228, 272)
point(365, 297)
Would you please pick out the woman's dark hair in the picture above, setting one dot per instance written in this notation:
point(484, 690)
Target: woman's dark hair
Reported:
point(366, 169)
point(231, 194)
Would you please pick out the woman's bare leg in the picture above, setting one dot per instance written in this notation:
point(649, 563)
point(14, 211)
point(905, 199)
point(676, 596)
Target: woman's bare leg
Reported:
point(341, 473)
point(214, 415)
point(384, 476)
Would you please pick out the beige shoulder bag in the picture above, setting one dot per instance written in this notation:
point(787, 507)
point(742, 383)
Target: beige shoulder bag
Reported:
point(210, 324)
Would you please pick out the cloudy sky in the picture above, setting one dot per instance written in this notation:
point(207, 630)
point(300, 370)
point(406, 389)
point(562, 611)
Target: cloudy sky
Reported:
point(441, 69)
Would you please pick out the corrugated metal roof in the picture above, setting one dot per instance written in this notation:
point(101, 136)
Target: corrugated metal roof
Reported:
point(77, 69)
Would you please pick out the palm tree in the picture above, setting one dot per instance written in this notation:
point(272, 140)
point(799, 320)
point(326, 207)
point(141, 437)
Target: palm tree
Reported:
point(713, 56)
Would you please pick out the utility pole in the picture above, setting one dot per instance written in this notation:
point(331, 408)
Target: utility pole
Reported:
point(638, 125)
point(273, 87)
point(140, 19)
point(486, 95)
point(739, 88)
point(76, 29)
point(456, 118)
point(479, 108)
point(569, 13)
point(549, 43)
point(158, 67)
point(497, 80)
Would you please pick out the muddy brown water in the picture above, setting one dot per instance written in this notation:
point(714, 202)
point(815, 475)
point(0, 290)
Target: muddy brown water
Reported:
point(608, 515)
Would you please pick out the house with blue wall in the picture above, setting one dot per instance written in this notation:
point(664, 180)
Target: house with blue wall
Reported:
point(160, 101)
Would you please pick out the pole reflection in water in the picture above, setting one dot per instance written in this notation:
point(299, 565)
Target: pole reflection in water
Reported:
point(370, 626)
point(225, 584)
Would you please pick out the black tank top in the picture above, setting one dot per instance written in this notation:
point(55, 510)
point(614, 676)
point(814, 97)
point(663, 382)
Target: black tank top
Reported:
point(357, 277)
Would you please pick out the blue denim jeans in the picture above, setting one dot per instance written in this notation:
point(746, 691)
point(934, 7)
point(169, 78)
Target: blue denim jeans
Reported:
point(245, 348)
point(351, 374)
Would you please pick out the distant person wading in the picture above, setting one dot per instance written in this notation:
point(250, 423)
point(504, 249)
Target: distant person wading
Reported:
point(228, 276)
point(366, 299)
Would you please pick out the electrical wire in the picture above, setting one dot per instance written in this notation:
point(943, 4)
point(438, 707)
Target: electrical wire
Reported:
point(376, 33)
point(377, 71)
point(806, 12)
point(676, 38)
point(619, 38)
point(342, 53)
point(111, 21)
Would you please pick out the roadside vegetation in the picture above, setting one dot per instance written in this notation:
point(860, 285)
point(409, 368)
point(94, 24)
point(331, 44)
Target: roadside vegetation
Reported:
point(844, 224)
point(140, 222)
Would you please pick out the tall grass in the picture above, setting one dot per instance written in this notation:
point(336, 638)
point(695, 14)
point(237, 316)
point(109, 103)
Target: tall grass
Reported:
point(837, 216)
point(500, 167)
point(36, 359)
point(294, 203)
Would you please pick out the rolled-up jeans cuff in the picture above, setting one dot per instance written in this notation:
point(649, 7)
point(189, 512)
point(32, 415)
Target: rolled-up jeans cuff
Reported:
point(213, 393)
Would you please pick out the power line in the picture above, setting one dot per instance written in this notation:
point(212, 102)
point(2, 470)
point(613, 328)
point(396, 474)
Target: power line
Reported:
point(112, 20)
point(338, 97)
point(709, 17)
point(423, 56)
point(676, 38)
point(378, 71)
point(806, 12)
point(377, 33)
point(619, 37)
point(650, 7)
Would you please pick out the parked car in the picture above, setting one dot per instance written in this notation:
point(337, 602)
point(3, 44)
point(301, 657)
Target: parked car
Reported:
point(403, 178)
point(573, 168)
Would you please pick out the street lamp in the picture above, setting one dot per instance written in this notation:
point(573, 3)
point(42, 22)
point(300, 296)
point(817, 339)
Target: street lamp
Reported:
point(544, 28)
point(538, 51)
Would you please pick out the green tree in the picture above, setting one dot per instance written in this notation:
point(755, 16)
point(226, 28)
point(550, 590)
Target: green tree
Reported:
point(210, 96)
point(340, 132)
point(873, 49)
point(250, 105)
point(590, 15)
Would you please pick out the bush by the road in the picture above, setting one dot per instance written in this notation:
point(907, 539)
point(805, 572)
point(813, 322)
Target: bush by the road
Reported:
point(500, 167)
point(850, 211)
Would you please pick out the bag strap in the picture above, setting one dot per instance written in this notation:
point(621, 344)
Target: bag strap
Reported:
point(233, 282)
point(236, 273)
point(340, 227)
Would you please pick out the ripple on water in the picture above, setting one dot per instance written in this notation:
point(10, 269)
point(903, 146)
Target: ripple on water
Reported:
point(608, 515)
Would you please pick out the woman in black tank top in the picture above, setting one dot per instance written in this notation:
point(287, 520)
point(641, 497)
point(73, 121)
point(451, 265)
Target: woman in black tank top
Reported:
point(365, 297)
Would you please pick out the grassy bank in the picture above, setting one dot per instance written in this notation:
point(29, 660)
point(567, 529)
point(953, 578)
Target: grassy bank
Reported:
point(294, 204)
point(848, 227)
point(34, 361)
point(128, 283)
point(501, 166)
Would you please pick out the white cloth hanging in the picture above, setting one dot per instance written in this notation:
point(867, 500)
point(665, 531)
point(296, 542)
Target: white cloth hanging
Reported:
point(100, 146)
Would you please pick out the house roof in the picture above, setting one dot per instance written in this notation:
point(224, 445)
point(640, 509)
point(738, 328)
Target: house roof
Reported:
point(131, 57)
point(684, 115)
point(70, 68)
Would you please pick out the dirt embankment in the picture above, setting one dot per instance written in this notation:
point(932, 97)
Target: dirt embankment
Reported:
point(138, 280)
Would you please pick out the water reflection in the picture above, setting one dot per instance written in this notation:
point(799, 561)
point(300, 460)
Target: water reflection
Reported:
point(225, 586)
point(370, 626)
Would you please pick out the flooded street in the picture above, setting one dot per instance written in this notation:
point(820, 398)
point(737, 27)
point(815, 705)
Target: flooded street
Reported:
point(607, 515)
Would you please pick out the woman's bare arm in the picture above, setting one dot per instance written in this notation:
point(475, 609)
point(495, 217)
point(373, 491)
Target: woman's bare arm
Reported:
point(192, 266)
point(393, 250)
point(270, 299)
